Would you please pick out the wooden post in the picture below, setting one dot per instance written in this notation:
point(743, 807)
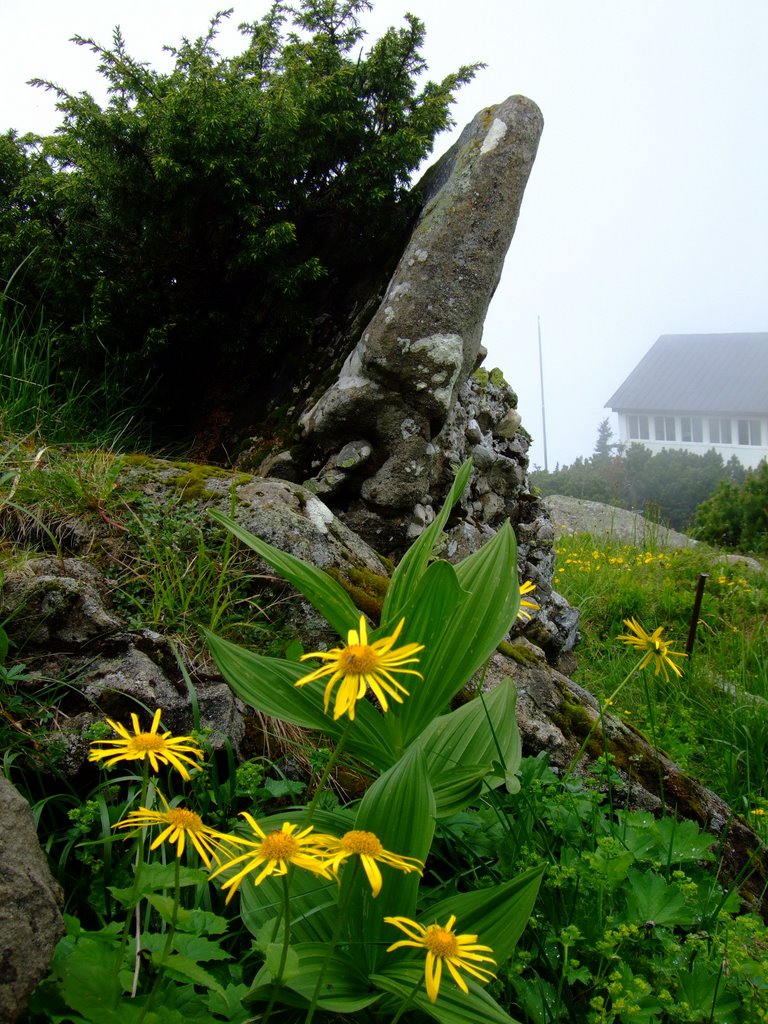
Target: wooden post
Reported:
point(703, 577)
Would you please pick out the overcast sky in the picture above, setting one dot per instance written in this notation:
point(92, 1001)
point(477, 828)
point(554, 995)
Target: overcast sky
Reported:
point(647, 209)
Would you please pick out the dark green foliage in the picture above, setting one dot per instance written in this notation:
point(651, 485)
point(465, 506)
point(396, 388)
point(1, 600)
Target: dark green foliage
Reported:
point(736, 516)
point(670, 484)
point(207, 220)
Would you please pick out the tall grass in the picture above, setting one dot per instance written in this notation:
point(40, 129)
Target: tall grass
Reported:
point(38, 396)
point(713, 721)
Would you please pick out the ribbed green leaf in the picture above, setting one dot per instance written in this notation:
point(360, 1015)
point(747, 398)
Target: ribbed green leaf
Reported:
point(452, 1006)
point(460, 748)
point(457, 644)
point(321, 590)
point(414, 562)
point(344, 990)
point(430, 607)
point(399, 808)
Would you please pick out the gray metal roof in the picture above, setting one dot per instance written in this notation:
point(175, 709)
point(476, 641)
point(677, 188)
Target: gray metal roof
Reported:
point(699, 373)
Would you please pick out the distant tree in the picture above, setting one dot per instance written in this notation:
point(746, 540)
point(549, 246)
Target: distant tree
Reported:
point(207, 222)
point(669, 484)
point(736, 515)
point(604, 446)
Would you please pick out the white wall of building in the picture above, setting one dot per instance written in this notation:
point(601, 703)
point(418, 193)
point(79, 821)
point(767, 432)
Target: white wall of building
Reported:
point(744, 437)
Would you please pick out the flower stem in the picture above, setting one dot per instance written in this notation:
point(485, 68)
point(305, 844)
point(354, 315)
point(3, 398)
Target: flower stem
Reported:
point(277, 980)
point(652, 722)
point(406, 1004)
point(138, 864)
point(330, 765)
point(168, 942)
point(341, 914)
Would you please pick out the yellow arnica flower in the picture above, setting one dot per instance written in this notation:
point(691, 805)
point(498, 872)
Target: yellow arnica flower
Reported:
point(158, 748)
point(180, 825)
point(656, 650)
point(522, 613)
point(368, 847)
point(271, 854)
point(443, 946)
point(361, 666)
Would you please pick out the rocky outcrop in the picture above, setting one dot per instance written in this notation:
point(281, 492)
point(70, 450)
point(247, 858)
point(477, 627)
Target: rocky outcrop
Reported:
point(30, 905)
point(399, 385)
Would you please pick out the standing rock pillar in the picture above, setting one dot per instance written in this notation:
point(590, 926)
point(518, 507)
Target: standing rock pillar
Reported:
point(399, 384)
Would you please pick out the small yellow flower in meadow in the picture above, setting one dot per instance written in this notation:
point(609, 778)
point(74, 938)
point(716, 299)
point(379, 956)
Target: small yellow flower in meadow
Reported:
point(655, 649)
point(180, 825)
point(526, 588)
point(368, 847)
point(271, 854)
point(157, 748)
point(759, 811)
point(443, 946)
point(361, 666)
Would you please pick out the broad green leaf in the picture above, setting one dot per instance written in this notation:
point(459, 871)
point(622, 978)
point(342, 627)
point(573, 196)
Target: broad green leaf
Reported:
point(497, 915)
point(652, 899)
point(459, 644)
point(461, 748)
point(267, 684)
point(157, 877)
point(344, 989)
point(89, 983)
point(202, 922)
point(228, 1003)
point(182, 967)
point(452, 1006)
point(399, 808)
point(320, 589)
point(414, 562)
point(705, 991)
point(683, 841)
point(274, 957)
point(198, 948)
point(432, 604)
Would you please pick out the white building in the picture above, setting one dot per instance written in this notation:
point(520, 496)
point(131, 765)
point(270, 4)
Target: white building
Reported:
point(698, 392)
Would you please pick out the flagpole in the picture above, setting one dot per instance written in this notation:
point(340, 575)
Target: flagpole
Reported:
point(543, 413)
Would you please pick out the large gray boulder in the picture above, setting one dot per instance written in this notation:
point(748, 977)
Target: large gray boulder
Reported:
point(399, 384)
point(30, 905)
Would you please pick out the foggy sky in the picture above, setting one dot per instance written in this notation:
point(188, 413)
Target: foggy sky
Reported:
point(646, 212)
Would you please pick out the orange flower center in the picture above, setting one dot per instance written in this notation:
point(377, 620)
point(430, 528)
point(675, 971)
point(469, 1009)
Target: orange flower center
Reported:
point(440, 941)
point(147, 741)
point(361, 842)
point(184, 819)
point(279, 846)
point(358, 660)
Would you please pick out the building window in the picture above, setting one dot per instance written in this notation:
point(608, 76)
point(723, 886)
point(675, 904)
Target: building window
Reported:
point(720, 431)
point(691, 428)
point(664, 428)
point(638, 428)
point(750, 432)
